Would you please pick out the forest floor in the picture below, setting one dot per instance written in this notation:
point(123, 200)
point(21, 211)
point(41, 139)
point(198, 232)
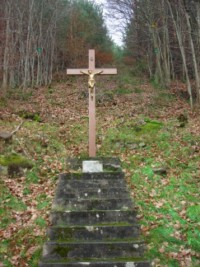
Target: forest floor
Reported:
point(152, 131)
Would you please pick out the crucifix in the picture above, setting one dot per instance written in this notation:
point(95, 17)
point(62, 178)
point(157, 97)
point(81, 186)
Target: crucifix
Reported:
point(91, 72)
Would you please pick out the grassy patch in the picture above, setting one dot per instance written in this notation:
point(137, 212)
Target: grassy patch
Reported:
point(8, 203)
point(123, 91)
point(168, 205)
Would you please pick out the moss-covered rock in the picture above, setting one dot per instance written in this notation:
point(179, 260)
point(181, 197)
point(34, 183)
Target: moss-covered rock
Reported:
point(147, 126)
point(15, 164)
point(15, 159)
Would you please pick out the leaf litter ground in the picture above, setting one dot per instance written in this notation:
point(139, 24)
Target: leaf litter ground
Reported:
point(135, 122)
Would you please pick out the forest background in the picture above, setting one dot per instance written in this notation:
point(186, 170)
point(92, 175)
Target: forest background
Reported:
point(39, 39)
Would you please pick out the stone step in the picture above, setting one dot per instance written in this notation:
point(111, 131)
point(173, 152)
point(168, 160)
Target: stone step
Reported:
point(76, 251)
point(106, 217)
point(87, 193)
point(92, 176)
point(92, 204)
point(87, 233)
point(114, 263)
point(83, 183)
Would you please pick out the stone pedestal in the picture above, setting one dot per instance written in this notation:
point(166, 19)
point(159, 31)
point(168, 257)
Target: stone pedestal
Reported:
point(93, 220)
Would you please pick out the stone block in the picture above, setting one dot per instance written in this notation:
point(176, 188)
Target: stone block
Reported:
point(75, 204)
point(87, 193)
point(59, 251)
point(93, 183)
point(91, 176)
point(114, 217)
point(92, 233)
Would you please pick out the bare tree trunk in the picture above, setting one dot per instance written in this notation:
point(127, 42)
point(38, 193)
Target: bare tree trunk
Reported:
point(6, 49)
point(182, 49)
point(166, 51)
point(198, 27)
point(196, 71)
point(28, 47)
point(157, 51)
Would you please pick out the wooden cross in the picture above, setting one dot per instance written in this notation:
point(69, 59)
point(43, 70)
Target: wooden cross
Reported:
point(91, 72)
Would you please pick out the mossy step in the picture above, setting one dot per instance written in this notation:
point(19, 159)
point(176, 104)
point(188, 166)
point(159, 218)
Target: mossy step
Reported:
point(86, 233)
point(114, 263)
point(92, 217)
point(92, 204)
point(54, 251)
point(83, 183)
point(92, 176)
point(87, 193)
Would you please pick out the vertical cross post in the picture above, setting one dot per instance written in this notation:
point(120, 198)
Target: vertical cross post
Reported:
point(91, 72)
point(92, 115)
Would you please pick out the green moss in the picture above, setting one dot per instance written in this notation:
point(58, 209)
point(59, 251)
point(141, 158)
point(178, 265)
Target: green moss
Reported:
point(29, 115)
point(65, 234)
point(150, 126)
point(111, 169)
point(62, 251)
point(15, 160)
point(114, 224)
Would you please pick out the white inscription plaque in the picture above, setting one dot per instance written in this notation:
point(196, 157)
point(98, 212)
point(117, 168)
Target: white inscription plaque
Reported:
point(92, 166)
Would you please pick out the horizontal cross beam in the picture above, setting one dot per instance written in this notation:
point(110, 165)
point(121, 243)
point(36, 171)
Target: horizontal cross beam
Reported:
point(78, 71)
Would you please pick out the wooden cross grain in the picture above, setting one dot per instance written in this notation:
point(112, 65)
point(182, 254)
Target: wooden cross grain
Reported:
point(91, 72)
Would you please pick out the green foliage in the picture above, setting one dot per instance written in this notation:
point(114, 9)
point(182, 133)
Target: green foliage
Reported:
point(43, 202)
point(95, 34)
point(147, 171)
point(81, 28)
point(118, 53)
point(193, 212)
point(30, 116)
point(40, 222)
point(26, 191)
point(17, 93)
point(140, 68)
point(164, 234)
point(123, 91)
point(137, 90)
point(193, 237)
point(35, 258)
point(8, 202)
point(32, 177)
point(3, 102)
